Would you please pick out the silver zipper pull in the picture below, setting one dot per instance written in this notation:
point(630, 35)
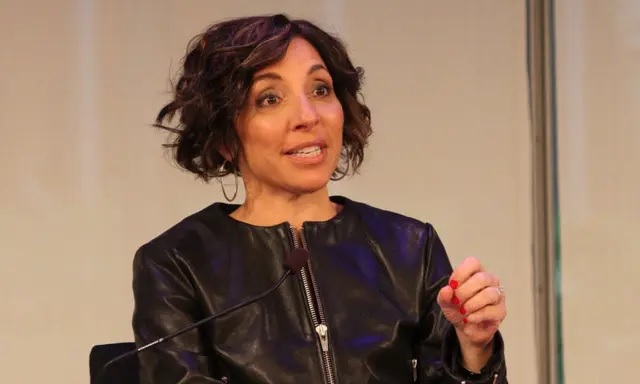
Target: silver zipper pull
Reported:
point(414, 370)
point(321, 329)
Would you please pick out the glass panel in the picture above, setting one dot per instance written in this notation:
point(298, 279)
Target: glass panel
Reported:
point(598, 79)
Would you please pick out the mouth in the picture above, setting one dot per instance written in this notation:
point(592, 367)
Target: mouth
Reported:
point(306, 152)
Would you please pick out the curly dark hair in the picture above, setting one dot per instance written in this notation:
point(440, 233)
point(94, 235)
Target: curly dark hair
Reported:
point(217, 73)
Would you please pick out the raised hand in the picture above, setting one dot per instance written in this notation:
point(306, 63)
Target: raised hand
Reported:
point(474, 303)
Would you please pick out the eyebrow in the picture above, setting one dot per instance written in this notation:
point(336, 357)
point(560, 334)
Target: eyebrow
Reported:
point(275, 76)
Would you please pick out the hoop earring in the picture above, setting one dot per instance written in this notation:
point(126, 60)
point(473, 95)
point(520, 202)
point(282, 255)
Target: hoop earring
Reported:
point(224, 190)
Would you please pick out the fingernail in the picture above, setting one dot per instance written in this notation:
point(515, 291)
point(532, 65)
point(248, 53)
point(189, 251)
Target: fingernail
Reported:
point(455, 300)
point(453, 284)
point(465, 320)
point(462, 310)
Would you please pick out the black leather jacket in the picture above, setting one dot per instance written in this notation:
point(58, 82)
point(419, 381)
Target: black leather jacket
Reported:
point(371, 284)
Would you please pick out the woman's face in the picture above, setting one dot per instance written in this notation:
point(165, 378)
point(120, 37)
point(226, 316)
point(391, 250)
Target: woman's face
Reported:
point(291, 126)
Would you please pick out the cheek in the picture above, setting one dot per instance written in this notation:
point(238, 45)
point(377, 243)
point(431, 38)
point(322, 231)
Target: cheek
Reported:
point(334, 118)
point(261, 140)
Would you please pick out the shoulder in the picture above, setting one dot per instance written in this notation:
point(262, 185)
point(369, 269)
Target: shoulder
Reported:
point(381, 219)
point(193, 231)
point(403, 234)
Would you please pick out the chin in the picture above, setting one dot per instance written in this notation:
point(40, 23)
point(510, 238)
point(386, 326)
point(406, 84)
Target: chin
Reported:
point(310, 183)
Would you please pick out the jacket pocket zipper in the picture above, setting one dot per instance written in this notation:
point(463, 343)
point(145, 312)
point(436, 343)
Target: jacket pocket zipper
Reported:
point(317, 314)
point(414, 370)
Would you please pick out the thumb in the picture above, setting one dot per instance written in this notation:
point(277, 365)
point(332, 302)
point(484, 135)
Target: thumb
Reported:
point(445, 297)
point(450, 310)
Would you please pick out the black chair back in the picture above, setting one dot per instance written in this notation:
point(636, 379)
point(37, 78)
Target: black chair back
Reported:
point(122, 372)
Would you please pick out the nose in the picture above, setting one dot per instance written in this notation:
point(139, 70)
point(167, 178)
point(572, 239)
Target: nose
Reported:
point(307, 114)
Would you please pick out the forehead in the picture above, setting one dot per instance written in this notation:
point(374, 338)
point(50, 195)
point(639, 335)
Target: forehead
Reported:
point(300, 56)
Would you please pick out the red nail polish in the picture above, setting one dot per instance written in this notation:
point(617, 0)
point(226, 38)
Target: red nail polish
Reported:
point(455, 300)
point(453, 284)
point(462, 310)
point(465, 320)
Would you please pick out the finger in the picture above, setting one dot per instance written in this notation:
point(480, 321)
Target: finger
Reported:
point(464, 271)
point(446, 297)
point(490, 313)
point(485, 297)
point(475, 284)
point(450, 306)
point(447, 302)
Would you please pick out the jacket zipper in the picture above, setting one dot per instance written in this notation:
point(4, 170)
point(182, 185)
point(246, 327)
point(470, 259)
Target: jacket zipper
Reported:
point(414, 370)
point(317, 314)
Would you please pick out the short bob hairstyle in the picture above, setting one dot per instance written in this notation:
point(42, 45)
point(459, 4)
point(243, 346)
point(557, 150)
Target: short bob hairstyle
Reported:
point(215, 80)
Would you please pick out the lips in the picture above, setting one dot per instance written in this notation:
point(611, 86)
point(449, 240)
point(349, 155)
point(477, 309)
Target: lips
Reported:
point(308, 149)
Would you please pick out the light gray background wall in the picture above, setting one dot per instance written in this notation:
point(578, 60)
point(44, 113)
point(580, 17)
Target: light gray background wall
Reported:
point(598, 64)
point(84, 181)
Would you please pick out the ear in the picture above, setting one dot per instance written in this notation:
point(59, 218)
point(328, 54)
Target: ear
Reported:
point(225, 153)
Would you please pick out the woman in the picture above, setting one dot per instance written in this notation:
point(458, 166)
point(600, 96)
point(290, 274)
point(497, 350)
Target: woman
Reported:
point(276, 101)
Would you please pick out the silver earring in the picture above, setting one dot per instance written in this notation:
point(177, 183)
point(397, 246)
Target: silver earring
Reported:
point(224, 190)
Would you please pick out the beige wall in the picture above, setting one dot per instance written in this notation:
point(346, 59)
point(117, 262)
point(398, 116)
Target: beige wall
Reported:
point(84, 181)
point(599, 184)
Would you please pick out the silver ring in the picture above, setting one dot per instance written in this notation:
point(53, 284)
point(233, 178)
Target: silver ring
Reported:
point(500, 290)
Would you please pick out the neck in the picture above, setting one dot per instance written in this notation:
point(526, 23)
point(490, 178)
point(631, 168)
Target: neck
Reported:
point(267, 210)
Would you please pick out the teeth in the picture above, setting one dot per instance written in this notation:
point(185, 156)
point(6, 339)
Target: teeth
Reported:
point(308, 151)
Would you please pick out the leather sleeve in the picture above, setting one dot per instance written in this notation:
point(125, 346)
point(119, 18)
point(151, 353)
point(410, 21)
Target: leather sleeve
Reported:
point(164, 302)
point(439, 349)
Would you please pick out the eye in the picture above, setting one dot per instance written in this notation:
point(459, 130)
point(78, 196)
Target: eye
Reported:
point(267, 99)
point(321, 90)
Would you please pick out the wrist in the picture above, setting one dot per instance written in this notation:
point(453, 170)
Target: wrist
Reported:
point(475, 357)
